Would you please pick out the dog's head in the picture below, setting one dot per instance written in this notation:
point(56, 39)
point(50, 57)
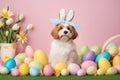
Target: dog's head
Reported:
point(64, 32)
point(64, 29)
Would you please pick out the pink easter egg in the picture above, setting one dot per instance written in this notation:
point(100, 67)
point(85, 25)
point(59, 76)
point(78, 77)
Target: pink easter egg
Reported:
point(117, 67)
point(29, 51)
point(18, 62)
point(15, 72)
point(73, 68)
point(48, 70)
point(87, 64)
point(81, 72)
point(1, 62)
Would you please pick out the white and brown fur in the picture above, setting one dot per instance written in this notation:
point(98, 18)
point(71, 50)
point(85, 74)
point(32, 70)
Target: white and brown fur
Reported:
point(63, 48)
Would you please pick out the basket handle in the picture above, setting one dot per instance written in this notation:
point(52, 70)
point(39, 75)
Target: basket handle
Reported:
point(109, 40)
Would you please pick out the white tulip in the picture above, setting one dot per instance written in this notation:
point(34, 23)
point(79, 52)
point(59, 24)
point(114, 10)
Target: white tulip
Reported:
point(15, 27)
point(6, 33)
point(9, 21)
point(21, 16)
point(29, 27)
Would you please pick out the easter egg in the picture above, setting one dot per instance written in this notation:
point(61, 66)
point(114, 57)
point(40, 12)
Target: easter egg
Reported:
point(34, 72)
point(87, 64)
point(1, 62)
point(110, 45)
point(21, 57)
point(89, 56)
point(60, 66)
point(117, 67)
point(41, 57)
point(73, 68)
point(3, 70)
point(113, 50)
point(102, 55)
point(100, 71)
point(29, 51)
point(82, 50)
point(91, 70)
point(116, 60)
point(35, 64)
point(10, 64)
point(23, 69)
point(48, 70)
point(104, 64)
point(81, 72)
point(119, 48)
point(111, 71)
point(27, 60)
point(65, 72)
point(96, 49)
point(15, 72)
point(18, 62)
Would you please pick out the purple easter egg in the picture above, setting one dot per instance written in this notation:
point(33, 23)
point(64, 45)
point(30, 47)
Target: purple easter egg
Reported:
point(89, 56)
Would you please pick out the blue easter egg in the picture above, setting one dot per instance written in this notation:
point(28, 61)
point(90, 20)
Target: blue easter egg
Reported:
point(34, 72)
point(10, 64)
point(102, 55)
point(110, 45)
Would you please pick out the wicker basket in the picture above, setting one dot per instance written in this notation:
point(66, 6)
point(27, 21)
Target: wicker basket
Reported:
point(110, 40)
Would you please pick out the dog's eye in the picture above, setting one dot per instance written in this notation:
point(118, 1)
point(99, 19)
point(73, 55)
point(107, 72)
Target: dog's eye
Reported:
point(61, 27)
point(68, 28)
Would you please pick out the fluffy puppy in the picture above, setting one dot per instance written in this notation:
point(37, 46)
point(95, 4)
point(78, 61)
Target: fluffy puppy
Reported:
point(63, 48)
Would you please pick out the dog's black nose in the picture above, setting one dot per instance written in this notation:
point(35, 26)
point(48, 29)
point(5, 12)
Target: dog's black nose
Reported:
point(65, 32)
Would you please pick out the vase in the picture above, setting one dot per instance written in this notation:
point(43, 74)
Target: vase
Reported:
point(7, 50)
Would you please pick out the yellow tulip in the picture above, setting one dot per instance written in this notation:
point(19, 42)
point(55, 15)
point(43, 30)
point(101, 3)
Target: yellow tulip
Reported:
point(22, 37)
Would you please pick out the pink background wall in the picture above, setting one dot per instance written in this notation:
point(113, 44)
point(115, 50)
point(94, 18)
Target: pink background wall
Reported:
point(99, 19)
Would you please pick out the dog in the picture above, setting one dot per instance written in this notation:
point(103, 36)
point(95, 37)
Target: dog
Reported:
point(63, 49)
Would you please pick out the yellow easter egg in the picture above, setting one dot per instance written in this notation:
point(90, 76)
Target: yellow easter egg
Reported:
point(60, 66)
point(41, 57)
point(100, 71)
point(111, 71)
point(91, 70)
point(24, 69)
point(113, 50)
point(104, 64)
point(116, 60)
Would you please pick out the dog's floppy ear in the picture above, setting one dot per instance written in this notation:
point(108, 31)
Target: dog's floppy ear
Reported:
point(54, 33)
point(74, 33)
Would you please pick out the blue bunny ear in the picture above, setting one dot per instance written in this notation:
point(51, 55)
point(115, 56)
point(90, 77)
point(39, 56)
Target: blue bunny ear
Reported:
point(56, 21)
point(74, 25)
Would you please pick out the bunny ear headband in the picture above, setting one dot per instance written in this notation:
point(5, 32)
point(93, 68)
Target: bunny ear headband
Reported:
point(65, 19)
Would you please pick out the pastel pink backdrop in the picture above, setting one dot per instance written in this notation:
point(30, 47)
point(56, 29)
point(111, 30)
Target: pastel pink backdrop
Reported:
point(99, 19)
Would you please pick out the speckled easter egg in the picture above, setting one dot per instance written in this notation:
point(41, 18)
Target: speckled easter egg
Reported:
point(73, 68)
point(41, 57)
point(27, 60)
point(116, 60)
point(82, 50)
point(96, 49)
point(91, 70)
point(29, 51)
point(48, 70)
point(35, 64)
point(21, 57)
point(111, 71)
point(23, 69)
point(110, 45)
point(65, 72)
point(10, 64)
point(113, 50)
point(60, 66)
point(104, 64)
point(89, 56)
point(87, 64)
point(34, 72)
point(103, 55)
point(100, 71)
point(15, 72)
point(3, 70)
point(81, 72)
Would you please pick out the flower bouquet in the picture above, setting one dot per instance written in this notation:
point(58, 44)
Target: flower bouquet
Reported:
point(10, 33)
